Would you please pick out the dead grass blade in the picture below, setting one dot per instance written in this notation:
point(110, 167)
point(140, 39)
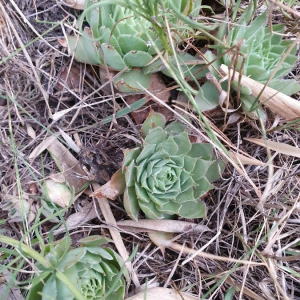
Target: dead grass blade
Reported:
point(162, 240)
point(115, 234)
point(279, 103)
point(69, 141)
point(160, 293)
point(79, 218)
point(171, 226)
point(278, 147)
point(42, 147)
point(245, 290)
point(245, 160)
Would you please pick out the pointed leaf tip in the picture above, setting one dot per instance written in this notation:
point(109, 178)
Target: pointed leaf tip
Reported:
point(154, 119)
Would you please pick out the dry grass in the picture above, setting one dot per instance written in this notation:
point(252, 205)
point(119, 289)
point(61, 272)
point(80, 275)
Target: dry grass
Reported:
point(269, 235)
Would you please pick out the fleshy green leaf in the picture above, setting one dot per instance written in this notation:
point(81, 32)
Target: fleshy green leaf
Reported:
point(202, 188)
point(175, 128)
point(94, 240)
point(193, 209)
point(189, 163)
point(242, 88)
point(207, 97)
point(154, 67)
point(50, 288)
point(255, 59)
point(141, 193)
point(72, 258)
point(158, 202)
point(183, 142)
point(189, 183)
point(129, 155)
point(190, 66)
point(93, 19)
point(151, 211)
point(215, 65)
point(132, 81)
point(130, 174)
point(204, 151)
point(185, 196)
point(84, 50)
point(201, 167)
point(215, 170)
point(159, 44)
point(250, 107)
point(37, 286)
point(257, 73)
point(288, 86)
point(156, 136)
point(62, 247)
point(131, 203)
point(106, 38)
point(169, 146)
point(147, 152)
point(63, 292)
point(259, 22)
point(170, 208)
point(112, 57)
point(154, 119)
point(137, 59)
point(129, 43)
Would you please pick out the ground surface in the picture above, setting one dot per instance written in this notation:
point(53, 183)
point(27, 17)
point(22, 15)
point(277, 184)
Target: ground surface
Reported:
point(31, 80)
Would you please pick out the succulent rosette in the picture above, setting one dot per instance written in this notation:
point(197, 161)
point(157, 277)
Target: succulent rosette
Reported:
point(123, 37)
point(168, 174)
point(93, 269)
point(261, 50)
point(119, 40)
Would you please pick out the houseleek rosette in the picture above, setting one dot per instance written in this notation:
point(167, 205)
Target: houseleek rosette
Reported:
point(117, 39)
point(260, 53)
point(168, 174)
point(126, 37)
point(94, 270)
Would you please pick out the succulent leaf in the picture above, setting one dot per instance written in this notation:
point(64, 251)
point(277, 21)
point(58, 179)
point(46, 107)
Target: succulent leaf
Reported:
point(136, 58)
point(84, 50)
point(154, 120)
point(112, 57)
point(190, 66)
point(129, 81)
point(169, 174)
point(129, 43)
point(207, 97)
point(106, 38)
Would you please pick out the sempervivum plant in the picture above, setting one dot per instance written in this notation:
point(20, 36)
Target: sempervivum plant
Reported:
point(127, 35)
point(94, 270)
point(119, 39)
point(168, 174)
point(260, 54)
